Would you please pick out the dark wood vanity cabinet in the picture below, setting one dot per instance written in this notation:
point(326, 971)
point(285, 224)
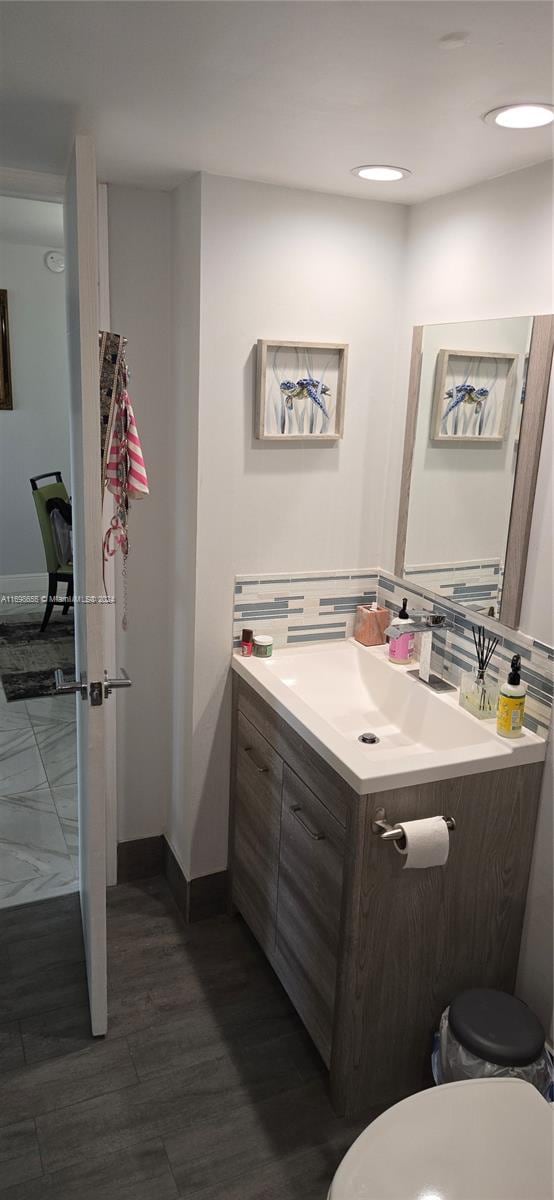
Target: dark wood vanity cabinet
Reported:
point(258, 789)
point(370, 954)
point(309, 898)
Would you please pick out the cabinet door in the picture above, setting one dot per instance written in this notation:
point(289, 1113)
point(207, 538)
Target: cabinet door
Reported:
point(309, 907)
point(256, 827)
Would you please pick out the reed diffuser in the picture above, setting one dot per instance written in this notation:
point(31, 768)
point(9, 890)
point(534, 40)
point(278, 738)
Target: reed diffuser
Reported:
point(478, 691)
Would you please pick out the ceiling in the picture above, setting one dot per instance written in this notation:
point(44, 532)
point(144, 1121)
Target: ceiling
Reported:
point(293, 93)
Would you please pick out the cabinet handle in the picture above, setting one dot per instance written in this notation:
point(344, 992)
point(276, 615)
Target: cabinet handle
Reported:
point(260, 770)
point(295, 811)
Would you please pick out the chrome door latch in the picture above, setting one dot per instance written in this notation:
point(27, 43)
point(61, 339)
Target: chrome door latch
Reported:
point(111, 684)
point(65, 687)
point(96, 690)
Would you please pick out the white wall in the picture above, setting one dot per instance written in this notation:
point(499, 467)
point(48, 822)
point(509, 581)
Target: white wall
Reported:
point(278, 263)
point(482, 253)
point(140, 277)
point(34, 438)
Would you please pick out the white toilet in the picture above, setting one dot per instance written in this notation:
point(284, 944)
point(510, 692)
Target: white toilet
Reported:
point(483, 1139)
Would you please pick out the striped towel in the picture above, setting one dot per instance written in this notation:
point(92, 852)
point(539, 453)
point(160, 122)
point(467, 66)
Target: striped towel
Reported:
point(125, 458)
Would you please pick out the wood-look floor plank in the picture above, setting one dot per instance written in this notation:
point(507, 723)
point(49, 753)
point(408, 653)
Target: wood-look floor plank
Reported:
point(55, 1034)
point(203, 1031)
point(142, 1173)
point(169, 994)
point(19, 1154)
point(305, 1176)
point(25, 993)
point(44, 917)
point(157, 954)
point(225, 1073)
point(165, 1103)
point(11, 1046)
point(209, 1155)
point(31, 954)
point(215, 963)
point(236, 993)
point(64, 1082)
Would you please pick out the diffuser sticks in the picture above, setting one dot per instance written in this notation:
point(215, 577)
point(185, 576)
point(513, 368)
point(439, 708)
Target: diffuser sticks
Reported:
point(478, 694)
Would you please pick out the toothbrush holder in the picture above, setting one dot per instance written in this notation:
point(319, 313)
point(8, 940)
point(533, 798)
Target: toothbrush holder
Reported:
point(370, 625)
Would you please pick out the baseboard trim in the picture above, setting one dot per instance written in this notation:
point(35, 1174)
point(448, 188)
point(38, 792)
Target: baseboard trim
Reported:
point(177, 880)
point(199, 898)
point(140, 859)
point(209, 896)
point(24, 585)
point(196, 899)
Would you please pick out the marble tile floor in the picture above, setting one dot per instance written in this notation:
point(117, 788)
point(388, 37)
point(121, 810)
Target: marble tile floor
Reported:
point(38, 799)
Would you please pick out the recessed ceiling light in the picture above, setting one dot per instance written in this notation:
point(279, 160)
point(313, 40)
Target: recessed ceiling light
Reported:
point(521, 116)
point(379, 173)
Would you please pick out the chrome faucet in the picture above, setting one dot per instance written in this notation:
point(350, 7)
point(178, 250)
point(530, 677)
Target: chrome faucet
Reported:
point(424, 623)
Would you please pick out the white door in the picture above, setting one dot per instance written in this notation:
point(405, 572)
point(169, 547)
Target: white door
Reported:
point(80, 214)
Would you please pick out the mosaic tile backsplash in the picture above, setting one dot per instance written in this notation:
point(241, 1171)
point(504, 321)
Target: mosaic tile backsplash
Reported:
point(454, 652)
point(321, 606)
point(311, 607)
point(478, 584)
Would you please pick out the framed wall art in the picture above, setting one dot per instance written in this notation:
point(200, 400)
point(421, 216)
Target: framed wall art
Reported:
point(473, 397)
point(300, 391)
point(6, 396)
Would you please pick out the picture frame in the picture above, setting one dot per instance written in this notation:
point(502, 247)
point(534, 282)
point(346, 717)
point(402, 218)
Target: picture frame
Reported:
point(300, 391)
point(6, 393)
point(473, 397)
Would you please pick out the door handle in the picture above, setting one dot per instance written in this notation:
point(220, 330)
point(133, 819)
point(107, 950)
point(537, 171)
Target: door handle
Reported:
point(110, 684)
point(65, 687)
point(295, 811)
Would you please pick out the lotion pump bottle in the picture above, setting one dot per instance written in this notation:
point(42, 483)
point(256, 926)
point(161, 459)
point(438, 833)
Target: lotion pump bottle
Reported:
point(401, 649)
point(511, 703)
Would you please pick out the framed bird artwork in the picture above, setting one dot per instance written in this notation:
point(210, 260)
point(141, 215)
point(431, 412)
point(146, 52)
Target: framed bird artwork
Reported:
point(300, 391)
point(473, 398)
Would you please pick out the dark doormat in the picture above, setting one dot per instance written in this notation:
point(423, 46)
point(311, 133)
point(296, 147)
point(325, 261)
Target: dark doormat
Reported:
point(28, 657)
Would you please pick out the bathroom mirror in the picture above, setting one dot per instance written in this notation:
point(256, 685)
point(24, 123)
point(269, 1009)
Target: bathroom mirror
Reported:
point(476, 406)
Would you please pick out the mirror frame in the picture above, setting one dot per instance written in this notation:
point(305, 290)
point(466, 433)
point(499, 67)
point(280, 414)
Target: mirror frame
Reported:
point(527, 466)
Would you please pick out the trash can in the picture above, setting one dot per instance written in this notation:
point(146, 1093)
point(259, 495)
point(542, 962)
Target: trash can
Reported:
point(486, 1034)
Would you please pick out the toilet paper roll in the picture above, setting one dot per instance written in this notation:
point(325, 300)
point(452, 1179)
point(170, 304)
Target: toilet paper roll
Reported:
point(427, 842)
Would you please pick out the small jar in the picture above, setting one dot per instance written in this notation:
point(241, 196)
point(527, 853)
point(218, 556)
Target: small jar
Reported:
point(247, 643)
point(479, 694)
point(263, 645)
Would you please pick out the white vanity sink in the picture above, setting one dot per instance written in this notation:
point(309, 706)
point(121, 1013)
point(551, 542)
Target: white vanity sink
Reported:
point(332, 693)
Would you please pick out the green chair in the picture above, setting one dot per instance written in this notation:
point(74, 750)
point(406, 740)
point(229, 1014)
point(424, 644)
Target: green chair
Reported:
point(57, 572)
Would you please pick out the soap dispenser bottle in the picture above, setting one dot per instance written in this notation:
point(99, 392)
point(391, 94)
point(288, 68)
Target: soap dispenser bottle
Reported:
point(401, 649)
point(511, 703)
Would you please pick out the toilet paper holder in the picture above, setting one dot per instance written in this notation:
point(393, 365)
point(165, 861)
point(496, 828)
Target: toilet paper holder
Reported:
point(389, 833)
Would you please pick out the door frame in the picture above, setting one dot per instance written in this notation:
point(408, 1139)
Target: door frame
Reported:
point(37, 185)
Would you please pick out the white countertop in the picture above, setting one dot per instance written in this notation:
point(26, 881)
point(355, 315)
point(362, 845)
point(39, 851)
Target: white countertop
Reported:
point(331, 692)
